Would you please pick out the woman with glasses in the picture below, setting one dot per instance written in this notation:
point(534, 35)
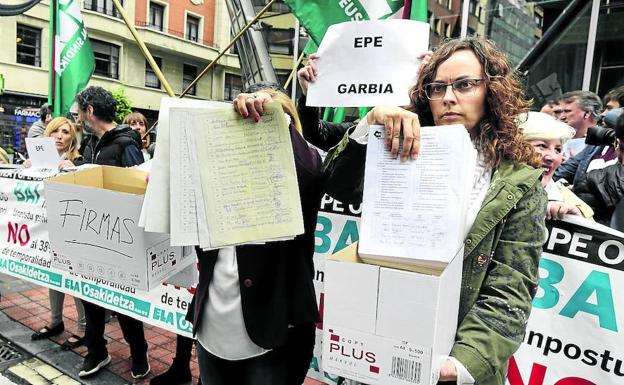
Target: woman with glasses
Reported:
point(471, 82)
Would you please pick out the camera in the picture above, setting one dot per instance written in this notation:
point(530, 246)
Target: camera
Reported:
point(604, 135)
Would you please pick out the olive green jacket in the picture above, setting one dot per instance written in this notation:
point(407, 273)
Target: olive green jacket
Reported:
point(500, 272)
point(501, 258)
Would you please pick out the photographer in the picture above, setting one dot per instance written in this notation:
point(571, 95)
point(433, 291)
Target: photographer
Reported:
point(604, 188)
point(598, 152)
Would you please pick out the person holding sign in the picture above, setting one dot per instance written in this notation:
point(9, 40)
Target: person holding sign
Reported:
point(471, 82)
point(254, 309)
point(67, 143)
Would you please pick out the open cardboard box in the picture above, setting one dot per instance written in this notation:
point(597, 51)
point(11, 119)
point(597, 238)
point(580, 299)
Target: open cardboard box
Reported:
point(93, 219)
point(388, 326)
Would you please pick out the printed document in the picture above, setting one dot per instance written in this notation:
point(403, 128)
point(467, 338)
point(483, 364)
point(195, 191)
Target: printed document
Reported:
point(248, 177)
point(414, 212)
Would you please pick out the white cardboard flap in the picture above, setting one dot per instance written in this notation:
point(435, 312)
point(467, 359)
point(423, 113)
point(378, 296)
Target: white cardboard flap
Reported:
point(351, 295)
point(407, 306)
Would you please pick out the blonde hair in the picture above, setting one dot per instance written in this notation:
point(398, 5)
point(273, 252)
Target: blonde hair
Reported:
point(72, 152)
point(287, 105)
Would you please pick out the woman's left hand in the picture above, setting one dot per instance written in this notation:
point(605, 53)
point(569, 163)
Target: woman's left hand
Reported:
point(448, 371)
point(65, 164)
point(251, 104)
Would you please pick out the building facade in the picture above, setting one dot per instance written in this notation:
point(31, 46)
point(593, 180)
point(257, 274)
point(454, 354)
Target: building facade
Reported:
point(575, 53)
point(184, 36)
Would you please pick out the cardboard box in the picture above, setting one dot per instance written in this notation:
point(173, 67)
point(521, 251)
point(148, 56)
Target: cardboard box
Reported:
point(388, 326)
point(93, 217)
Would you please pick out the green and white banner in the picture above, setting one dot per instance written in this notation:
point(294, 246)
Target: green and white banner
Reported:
point(574, 335)
point(74, 62)
point(317, 15)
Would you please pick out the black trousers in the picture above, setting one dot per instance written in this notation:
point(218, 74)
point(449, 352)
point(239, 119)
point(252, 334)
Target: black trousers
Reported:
point(284, 365)
point(131, 328)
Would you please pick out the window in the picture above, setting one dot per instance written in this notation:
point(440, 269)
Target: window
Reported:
point(28, 45)
point(472, 7)
point(538, 20)
point(189, 73)
point(280, 40)
point(106, 59)
point(151, 80)
point(438, 26)
point(233, 86)
point(448, 30)
point(192, 28)
point(156, 16)
point(102, 6)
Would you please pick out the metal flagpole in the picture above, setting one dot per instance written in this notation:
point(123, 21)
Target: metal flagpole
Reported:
point(154, 66)
point(293, 93)
point(144, 49)
point(464, 20)
point(292, 74)
point(230, 44)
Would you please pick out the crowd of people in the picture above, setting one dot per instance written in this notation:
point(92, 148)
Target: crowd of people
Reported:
point(254, 309)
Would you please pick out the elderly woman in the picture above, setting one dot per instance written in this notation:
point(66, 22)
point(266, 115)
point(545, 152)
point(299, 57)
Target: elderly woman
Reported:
point(67, 141)
point(547, 135)
point(470, 82)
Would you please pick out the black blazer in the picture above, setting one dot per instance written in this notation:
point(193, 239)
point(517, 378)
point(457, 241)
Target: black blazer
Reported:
point(276, 279)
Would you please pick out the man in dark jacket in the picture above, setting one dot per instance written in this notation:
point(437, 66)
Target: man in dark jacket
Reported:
point(110, 145)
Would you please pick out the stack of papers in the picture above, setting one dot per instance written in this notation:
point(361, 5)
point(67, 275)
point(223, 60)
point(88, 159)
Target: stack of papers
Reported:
point(414, 212)
point(220, 180)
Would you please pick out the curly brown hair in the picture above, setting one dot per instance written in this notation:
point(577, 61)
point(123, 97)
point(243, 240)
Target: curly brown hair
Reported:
point(497, 134)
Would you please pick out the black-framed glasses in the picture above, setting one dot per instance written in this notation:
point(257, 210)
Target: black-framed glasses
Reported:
point(463, 87)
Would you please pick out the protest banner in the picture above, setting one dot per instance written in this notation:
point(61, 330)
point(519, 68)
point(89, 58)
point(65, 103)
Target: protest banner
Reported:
point(572, 336)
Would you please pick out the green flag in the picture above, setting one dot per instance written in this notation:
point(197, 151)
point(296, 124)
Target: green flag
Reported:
point(73, 62)
point(317, 15)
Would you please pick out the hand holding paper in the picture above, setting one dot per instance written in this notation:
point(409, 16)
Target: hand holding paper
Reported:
point(308, 73)
point(398, 121)
point(251, 104)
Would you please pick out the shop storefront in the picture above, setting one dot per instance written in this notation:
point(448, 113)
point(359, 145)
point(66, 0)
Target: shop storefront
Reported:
point(17, 113)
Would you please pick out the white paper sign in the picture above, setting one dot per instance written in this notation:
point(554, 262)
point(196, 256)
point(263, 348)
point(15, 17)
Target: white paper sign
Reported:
point(43, 152)
point(368, 63)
